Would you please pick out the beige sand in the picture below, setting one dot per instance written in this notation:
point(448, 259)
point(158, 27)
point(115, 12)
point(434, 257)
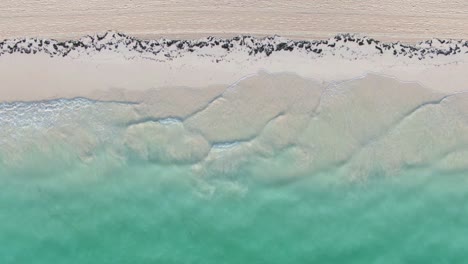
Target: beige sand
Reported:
point(404, 20)
point(102, 77)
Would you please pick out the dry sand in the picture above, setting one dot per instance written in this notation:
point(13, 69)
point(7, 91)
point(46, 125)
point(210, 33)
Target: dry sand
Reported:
point(403, 20)
point(113, 76)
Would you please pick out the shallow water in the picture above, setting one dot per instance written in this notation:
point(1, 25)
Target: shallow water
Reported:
point(81, 182)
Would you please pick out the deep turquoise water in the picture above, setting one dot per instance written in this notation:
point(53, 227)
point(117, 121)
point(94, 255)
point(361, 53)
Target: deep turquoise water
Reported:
point(146, 213)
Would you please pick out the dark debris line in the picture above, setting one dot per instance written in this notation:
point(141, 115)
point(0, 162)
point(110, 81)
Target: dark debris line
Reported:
point(253, 46)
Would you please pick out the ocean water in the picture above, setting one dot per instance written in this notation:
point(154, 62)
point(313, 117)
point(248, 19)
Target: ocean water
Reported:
point(83, 182)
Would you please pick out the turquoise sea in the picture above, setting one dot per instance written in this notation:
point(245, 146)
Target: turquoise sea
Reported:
point(76, 186)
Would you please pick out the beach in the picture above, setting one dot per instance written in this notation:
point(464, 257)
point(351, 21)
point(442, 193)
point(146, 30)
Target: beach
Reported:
point(246, 95)
point(399, 20)
point(233, 132)
point(117, 66)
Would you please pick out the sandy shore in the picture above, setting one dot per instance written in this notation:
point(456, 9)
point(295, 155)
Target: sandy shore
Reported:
point(218, 128)
point(27, 78)
point(61, 70)
point(400, 20)
point(337, 102)
point(114, 67)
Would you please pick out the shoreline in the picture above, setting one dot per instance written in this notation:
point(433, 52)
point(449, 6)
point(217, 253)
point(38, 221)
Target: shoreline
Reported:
point(257, 115)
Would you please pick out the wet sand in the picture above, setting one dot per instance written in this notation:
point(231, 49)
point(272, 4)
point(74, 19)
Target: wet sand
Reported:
point(325, 125)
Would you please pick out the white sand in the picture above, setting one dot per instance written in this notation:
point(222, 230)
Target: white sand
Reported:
point(110, 76)
point(402, 20)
